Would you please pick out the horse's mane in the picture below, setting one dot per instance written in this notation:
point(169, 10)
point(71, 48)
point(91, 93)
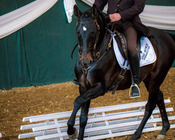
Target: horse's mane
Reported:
point(100, 15)
point(103, 16)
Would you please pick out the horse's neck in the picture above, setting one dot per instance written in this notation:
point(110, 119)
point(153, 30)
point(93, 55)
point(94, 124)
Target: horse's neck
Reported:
point(104, 41)
point(103, 46)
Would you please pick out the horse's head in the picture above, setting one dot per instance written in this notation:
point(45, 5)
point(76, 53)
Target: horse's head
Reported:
point(88, 32)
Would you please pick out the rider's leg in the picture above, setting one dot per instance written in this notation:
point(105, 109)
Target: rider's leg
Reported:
point(131, 37)
point(134, 64)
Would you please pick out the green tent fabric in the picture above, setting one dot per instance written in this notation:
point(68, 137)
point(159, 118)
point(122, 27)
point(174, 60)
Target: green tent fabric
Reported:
point(39, 53)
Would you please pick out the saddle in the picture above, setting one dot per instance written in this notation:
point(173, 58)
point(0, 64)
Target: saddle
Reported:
point(145, 51)
point(121, 40)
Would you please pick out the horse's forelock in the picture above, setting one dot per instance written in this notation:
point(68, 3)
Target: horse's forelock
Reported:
point(87, 14)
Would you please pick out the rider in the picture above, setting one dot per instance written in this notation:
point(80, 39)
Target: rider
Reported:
point(128, 12)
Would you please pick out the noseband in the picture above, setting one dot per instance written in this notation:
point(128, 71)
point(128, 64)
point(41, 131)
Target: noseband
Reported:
point(98, 51)
point(95, 53)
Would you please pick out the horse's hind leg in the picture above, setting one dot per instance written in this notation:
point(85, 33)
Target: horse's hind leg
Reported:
point(155, 97)
point(151, 104)
point(165, 122)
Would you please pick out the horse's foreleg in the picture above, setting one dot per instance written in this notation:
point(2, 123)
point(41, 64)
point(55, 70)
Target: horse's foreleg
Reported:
point(151, 104)
point(165, 122)
point(83, 119)
point(77, 104)
point(93, 92)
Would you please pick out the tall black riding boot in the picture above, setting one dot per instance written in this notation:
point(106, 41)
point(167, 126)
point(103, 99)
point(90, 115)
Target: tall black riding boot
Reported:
point(134, 65)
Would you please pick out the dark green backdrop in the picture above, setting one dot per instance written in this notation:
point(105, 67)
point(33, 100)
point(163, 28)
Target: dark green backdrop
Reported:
point(39, 53)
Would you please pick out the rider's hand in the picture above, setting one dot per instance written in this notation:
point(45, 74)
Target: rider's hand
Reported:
point(115, 17)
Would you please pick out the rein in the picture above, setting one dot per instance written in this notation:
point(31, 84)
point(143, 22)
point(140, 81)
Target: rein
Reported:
point(94, 47)
point(73, 50)
point(105, 48)
point(98, 54)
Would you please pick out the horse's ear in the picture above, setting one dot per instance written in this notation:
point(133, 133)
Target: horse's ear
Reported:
point(94, 10)
point(77, 12)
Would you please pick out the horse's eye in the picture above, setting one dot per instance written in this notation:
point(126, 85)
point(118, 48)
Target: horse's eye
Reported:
point(92, 33)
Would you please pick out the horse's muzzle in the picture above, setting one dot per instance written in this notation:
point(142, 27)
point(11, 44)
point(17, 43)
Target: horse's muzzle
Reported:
point(86, 58)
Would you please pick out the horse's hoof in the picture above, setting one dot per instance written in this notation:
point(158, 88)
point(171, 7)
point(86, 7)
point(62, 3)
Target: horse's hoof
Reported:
point(133, 137)
point(73, 136)
point(160, 136)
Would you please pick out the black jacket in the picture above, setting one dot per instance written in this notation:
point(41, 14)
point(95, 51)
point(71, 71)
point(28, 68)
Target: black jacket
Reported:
point(128, 9)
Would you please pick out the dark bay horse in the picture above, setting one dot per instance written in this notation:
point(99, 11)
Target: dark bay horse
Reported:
point(97, 68)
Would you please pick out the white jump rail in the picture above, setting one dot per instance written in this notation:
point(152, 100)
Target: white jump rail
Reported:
point(103, 122)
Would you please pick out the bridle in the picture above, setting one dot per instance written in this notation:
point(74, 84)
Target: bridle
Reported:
point(97, 52)
point(100, 49)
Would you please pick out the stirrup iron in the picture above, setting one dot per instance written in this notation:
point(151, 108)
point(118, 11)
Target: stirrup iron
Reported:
point(130, 90)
